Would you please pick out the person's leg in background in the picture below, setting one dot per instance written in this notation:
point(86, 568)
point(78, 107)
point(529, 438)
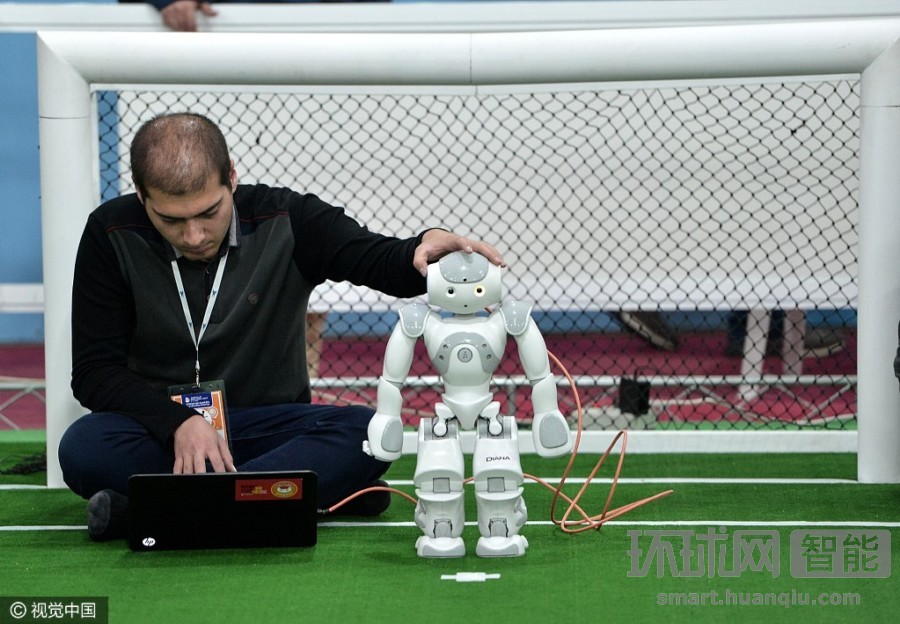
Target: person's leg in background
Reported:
point(817, 341)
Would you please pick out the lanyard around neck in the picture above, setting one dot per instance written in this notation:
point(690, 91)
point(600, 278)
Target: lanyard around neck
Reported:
point(210, 304)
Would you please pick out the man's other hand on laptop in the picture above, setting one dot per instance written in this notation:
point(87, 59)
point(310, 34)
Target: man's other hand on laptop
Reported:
point(195, 444)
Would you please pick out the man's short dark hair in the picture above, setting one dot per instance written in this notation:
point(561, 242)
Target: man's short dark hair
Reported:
point(176, 153)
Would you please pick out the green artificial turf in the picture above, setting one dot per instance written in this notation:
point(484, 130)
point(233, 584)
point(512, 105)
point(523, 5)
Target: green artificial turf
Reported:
point(367, 570)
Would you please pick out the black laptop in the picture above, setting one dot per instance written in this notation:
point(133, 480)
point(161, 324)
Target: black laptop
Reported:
point(222, 510)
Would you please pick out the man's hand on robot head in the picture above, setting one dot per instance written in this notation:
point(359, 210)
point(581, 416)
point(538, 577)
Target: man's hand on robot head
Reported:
point(438, 243)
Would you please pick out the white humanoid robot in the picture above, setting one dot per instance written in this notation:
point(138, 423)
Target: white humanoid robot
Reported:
point(466, 349)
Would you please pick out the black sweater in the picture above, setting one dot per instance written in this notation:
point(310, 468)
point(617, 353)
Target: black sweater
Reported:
point(129, 341)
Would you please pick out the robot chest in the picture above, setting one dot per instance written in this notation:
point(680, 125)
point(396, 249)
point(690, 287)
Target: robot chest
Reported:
point(465, 351)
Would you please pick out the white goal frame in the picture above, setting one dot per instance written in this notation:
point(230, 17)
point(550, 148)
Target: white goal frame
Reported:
point(74, 65)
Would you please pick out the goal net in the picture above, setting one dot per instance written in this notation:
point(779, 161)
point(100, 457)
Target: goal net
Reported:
point(690, 248)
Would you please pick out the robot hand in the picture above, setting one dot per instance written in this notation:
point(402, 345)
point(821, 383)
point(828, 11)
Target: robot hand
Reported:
point(551, 434)
point(385, 438)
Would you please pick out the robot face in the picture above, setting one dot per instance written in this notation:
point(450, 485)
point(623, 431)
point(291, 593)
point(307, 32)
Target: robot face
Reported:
point(464, 283)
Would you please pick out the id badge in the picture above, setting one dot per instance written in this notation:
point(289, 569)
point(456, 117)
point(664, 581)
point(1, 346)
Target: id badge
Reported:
point(208, 400)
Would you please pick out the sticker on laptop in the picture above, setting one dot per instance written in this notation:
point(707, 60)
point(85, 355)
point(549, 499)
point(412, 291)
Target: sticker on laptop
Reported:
point(267, 489)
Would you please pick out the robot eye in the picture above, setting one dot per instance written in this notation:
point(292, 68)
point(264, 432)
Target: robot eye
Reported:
point(479, 291)
point(451, 291)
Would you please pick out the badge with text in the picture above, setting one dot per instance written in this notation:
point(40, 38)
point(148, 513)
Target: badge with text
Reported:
point(207, 399)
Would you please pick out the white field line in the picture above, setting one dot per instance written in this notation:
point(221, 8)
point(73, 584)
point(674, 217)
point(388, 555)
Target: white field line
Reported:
point(620, 523)
point(49, 527)
point(665, 523)
point(607, 481)
point(673, 480)
point(684, 480)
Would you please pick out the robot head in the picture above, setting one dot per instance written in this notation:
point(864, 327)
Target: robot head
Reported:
point(464, 283)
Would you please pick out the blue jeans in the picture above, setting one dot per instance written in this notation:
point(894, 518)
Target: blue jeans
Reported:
point(102, 450)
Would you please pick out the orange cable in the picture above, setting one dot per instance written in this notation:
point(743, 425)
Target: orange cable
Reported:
point(587, 522)
point(590, 522)
point(374, 488)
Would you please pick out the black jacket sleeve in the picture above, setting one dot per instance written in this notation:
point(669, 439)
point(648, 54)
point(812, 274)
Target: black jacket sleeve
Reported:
point(330, 245)
point(102, 324)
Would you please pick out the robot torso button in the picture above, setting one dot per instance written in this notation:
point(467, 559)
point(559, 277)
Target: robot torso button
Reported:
point(469, 345)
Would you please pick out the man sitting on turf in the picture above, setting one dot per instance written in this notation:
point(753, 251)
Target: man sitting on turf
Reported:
point(195, 278)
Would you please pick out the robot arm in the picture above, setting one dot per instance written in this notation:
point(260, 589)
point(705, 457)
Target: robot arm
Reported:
point(385, 434)
point(552, 437)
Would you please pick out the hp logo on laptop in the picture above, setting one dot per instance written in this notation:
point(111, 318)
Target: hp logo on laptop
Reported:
point(149, 542)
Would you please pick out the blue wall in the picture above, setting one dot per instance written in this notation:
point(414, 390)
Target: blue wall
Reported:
point(20, 201)
point(20, 239)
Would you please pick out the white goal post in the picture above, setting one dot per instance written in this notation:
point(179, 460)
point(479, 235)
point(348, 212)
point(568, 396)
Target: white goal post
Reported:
point(74, 65)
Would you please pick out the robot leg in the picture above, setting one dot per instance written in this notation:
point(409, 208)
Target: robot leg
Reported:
point(498, 490)
point(439, 488)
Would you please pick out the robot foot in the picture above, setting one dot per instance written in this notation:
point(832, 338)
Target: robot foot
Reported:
point(501, 546)
point(444, 547)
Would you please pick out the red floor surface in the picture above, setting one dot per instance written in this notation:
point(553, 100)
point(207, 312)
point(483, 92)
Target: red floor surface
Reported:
point(21, 409)
point(699, 355)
